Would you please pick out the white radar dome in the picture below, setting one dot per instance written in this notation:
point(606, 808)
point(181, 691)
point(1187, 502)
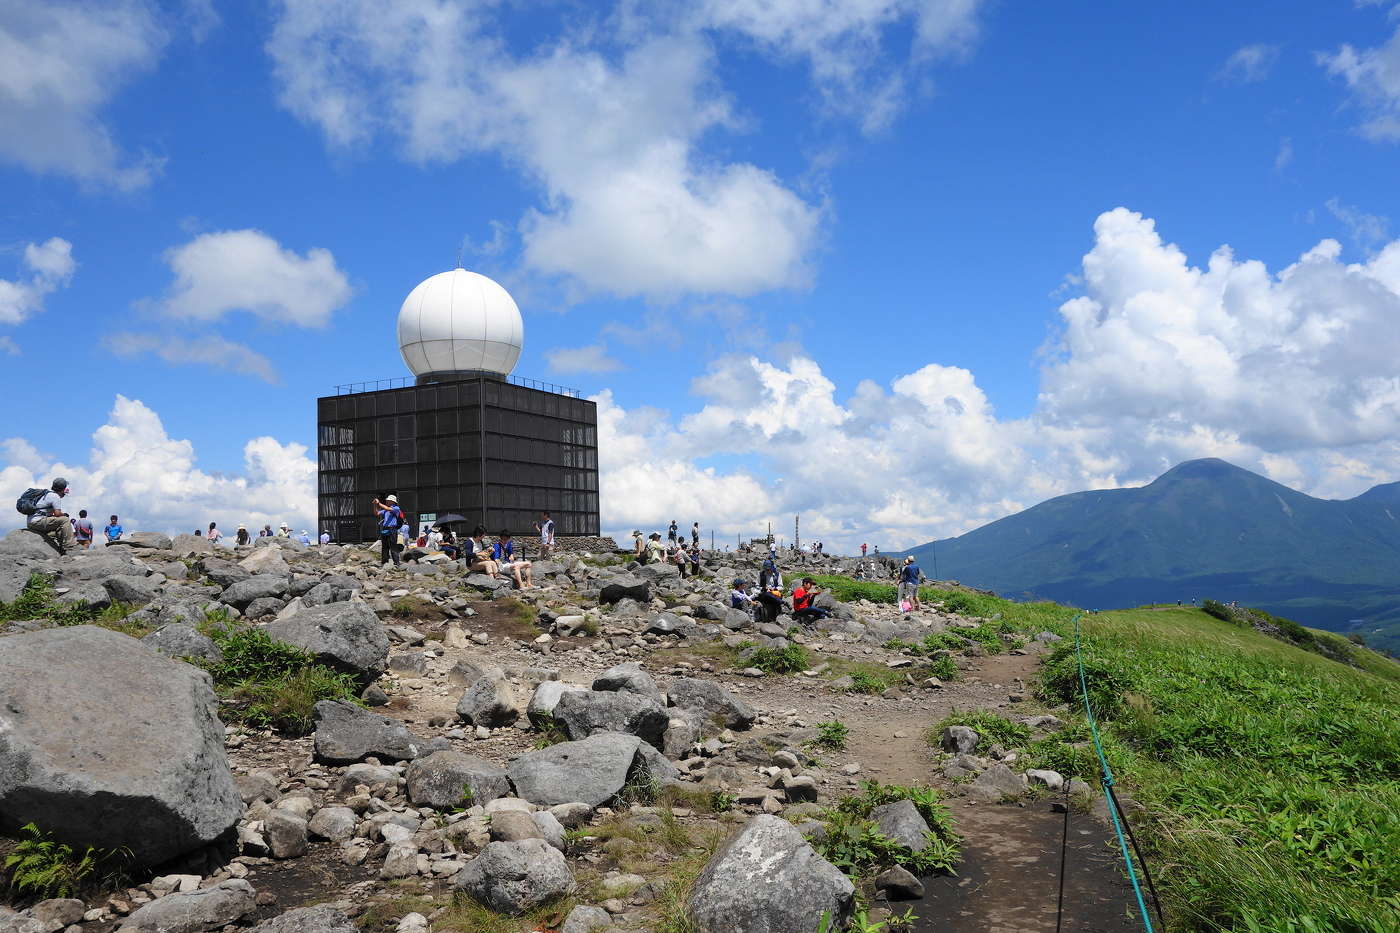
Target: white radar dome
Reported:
point(460, 322)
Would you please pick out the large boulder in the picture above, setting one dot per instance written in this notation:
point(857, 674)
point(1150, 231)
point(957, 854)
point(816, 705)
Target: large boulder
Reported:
point(98, 565)
point(546, 698)
point(767, 879)
point(262, 586)
point(223, 572)
point(191, 544)
point(308, 920)
point(14, 576)
point(489, 702)
point(180, 640)
point(713, 701)
point(592, 770)
point(148, 540)
point(266, 560)
point(103, 742)
point(587, 712)
point(449, 779)
point(194, 912)
point(346, 733)
point(346, 636)
point(629, 678)
point(130, 589)
point(625, 587)
point(902, 822)
point(513, 877)
point(24, 543)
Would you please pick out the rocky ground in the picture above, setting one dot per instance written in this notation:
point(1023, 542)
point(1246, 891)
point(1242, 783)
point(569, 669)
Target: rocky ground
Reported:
point(577, 752)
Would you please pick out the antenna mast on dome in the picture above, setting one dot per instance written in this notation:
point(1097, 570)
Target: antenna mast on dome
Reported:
point(460, 247)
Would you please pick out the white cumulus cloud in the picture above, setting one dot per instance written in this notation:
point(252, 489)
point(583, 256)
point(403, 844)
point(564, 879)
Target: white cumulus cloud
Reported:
point(49, 265)
point(593, 358)
point(247, 270)
point(1250, 63)
point(60, 64)
point(136, 470)
point(1373, 76)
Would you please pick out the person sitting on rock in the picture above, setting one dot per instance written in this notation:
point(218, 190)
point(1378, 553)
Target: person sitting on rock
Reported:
point(284, 530)
point(503, 553)
point(113, 531)
point(739, 597)
point(802, 608)
point(478, 552)
point(48, 519)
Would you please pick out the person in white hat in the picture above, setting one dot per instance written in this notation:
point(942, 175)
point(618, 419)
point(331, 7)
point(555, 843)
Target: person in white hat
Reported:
point(390, 519)
point(284, 530)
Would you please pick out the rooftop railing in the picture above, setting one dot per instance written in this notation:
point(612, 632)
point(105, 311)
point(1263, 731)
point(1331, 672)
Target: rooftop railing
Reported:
point(400, 382)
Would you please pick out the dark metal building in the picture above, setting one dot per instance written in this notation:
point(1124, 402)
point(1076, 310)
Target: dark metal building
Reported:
point(492, 449)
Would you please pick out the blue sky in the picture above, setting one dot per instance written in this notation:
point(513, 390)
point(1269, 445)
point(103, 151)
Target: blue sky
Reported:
point(809, 255)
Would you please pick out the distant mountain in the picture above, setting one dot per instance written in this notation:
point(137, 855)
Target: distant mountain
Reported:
point(1205, 529)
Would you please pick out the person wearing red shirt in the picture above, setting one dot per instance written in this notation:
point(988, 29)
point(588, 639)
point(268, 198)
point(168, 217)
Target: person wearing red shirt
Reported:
point(802, 608)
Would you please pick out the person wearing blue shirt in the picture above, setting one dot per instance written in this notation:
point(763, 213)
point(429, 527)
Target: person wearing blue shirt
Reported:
point(390, 518)
point(113, 531)
point(909, 577)
point(503, 553)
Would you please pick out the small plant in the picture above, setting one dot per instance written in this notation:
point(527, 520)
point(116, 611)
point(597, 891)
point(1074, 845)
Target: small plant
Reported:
point(44, 868)
point(853, 843)
point(990, 727)
point(865, 682)
point(722, 801)
point(831, 735)
point(790, 660)
point(550, 732)
point(943, 667)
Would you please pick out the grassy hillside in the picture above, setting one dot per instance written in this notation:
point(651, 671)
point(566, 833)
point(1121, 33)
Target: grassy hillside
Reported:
point(1271, 774)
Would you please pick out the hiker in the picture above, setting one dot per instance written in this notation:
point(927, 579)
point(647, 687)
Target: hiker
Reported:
point(82, 530)
point(390, 519)
point(655, 551)
point(545, 527)
point(802, 608)
point(695, 535)
point(214, 533)
point(284, 530)
point(325, 537)
point(671, 532)
point(198, 533)
point(770, 604)
point(265, 532)
point(113, 531)
point(862, 550)
point(503, 553)
point(304, 538)
point(240, 538)
point(449, 544)
point(638, 545)
point(679, 557)
point(909, 577)
point(769, 576)
point(479, 554)
point(405, 535)
point(46, 516)
point(695, 560)
point(739, 597)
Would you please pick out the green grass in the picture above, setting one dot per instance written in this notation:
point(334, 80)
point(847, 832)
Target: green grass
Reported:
point(831, 735)
point(39, 601)
point(1271, 774)
point(1022, 617)
point(853, 844)
point(990, 728)
point(790, 660)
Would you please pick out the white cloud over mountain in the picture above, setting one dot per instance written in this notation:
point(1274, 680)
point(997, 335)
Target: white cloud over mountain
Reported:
point(610, 120)
point(60, 64)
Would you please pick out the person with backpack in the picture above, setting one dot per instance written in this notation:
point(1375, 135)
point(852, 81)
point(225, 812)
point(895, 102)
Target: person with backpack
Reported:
point(671, 532)
point(82, 530)
point(909, 578)
point(242, 536)
point(390, 518)
point(46, 518)
point(113, 531)
point(214, 533)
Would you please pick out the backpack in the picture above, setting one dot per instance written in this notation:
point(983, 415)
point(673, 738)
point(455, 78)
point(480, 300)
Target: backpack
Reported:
point(28, 503)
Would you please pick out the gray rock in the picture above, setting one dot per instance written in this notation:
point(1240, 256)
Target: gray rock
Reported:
point(998, 782)
point(24, 543)
point(191, 544)
point(58, 912)
point(14, 576)
point(490, 702)
point(240, 594)
point(625, 587)
point(467, 672)
point(586, 713)
point(1054, 780)
point(1046, 723)
point(182, 641)
point(223, 572)
point(130, 589)
point(550, 827)
point(11, 922)
point(376, 777)
point(513, 877)
point(592, 770)
point(99, 565)
point(713, 700)
point(346, 636)
point(266, 561)
point(960, 740)
point(586, 919)
point(513, 826)
point(767, 879)
point(898, 883)
point(82, 593)
point(285, 833)
point(148, 541)
point(263, 607)
point(411, 665)
point(902, 822)
point(308, 920)
point(441, 779)
point(334, 823)
point(197, 911)
point(545, 698)
point(256, 786)
point(347, 733)
point(103, 742)
point(629, 678)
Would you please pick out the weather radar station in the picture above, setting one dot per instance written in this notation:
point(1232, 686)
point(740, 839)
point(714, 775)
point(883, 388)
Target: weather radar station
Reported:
point(462, 435)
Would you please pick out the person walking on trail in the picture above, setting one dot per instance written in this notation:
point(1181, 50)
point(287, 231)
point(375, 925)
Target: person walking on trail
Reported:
point(214, 533)
point(390, 519)
point(82, 530)
point(909, 578)
point(241, 538)
point(113, 531)
point(545, 527)
point(46, 516)
point(503, 553)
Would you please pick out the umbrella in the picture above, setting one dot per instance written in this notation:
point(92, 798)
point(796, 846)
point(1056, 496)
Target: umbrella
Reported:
point(449, 519)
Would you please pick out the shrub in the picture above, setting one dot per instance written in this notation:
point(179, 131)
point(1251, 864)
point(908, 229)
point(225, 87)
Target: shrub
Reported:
point(37, 600)
point(831, 735)
point(790, 660)
point(988, 725)
point(866, 682)
point(853, 844)
point(44, 868)
point(943, 667)
point(1059, 681)
point(1218, 609)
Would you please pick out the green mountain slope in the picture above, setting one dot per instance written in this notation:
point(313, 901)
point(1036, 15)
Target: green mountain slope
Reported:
point(1204, 529)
